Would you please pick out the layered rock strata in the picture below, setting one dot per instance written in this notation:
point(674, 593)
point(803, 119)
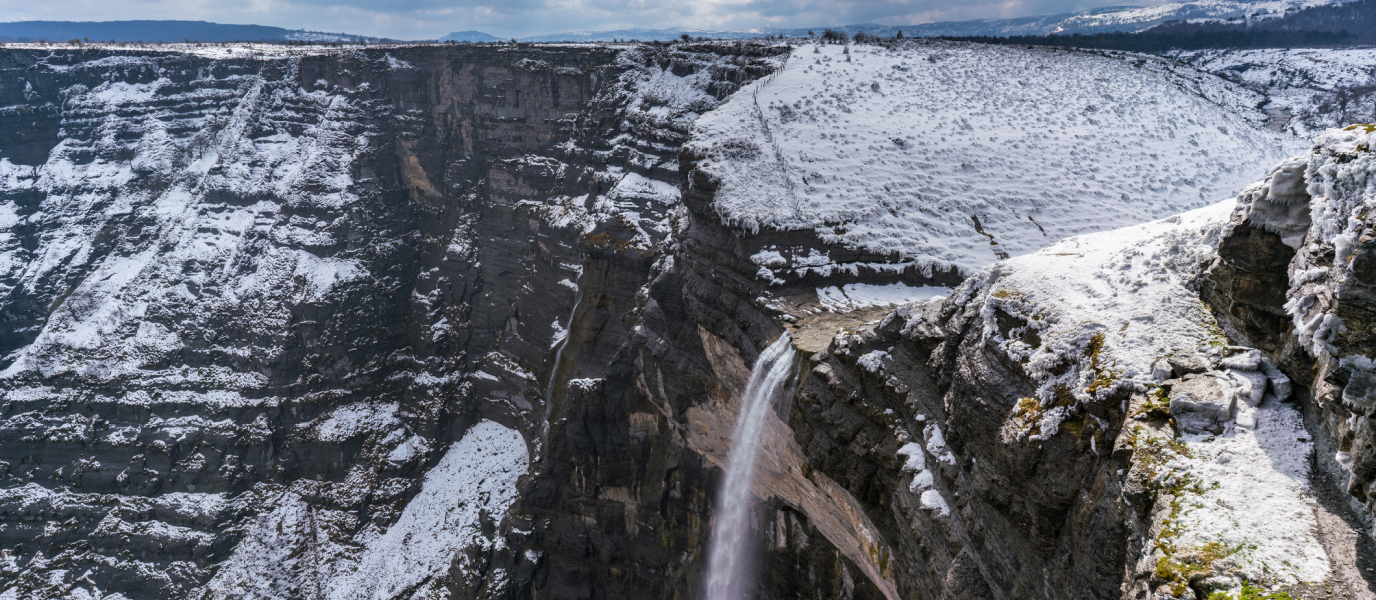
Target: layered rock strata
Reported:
point(257, 302)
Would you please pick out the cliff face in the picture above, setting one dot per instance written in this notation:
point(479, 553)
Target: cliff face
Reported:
point(252, 299)
point(468, 322)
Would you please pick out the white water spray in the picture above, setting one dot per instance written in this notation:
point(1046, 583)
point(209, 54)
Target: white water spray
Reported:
point(726, 566)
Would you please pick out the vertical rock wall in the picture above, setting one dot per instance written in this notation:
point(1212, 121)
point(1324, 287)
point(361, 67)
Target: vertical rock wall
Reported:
point(256, 293)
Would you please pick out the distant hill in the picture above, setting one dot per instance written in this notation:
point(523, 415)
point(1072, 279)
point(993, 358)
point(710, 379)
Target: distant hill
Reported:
point(162, 31)
point(1349, 24)
point(643, 35)
point(470, 36)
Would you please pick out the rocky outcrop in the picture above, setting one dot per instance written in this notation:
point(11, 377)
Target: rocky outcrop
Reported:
point(1075, 423)
point(1314, 292)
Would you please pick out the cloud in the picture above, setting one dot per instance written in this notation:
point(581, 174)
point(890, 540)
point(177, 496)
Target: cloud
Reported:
point(429, 19)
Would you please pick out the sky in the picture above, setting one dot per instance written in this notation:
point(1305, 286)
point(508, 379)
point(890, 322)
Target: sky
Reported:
point(429, 19)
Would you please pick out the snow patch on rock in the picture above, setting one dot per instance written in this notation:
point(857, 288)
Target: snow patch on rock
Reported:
point(289, 548)
point(1104, 308)
point(476, 476)
point(861, 295)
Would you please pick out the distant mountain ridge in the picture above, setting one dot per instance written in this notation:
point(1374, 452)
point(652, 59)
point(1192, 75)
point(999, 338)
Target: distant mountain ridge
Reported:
point(470, 36)
point(1327, 26)
point(1127, 19)
point(163, 31)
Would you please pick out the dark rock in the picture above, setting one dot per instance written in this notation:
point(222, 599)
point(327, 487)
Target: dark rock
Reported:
point(1247, 286)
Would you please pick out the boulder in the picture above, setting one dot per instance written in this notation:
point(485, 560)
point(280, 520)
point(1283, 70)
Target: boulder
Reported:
point(1250, 385)
point(1187, 363)
point(1246, 360)
point(1280, 383)
point(1202, 403)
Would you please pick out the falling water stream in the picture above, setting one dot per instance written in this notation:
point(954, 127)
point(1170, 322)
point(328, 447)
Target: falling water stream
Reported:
point(726, 566)
point(559, 354)
point(554, 370)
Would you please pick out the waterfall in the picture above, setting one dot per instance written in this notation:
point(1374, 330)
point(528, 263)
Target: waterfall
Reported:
point(726, 566)
point(554, 370)
point(559, 354)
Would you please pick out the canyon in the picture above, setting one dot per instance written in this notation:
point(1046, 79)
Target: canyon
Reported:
point(477, 322)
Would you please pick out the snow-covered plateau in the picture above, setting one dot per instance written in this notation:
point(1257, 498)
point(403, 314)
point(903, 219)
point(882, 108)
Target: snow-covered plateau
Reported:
point(954, 156)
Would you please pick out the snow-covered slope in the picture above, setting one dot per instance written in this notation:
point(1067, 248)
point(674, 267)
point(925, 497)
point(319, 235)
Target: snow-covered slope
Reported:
point(952, 155)
point(1309, 89)
point(1138, 18)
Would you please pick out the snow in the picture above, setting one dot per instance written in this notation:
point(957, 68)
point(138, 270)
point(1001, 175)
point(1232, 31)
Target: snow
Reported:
point(913, 152)
point(397, 64)
point(413, 446)
point(1261, 503)
point(932, 500)
point(584, 384)
point(873, 361)
point(290, 549)
point(633, 199)
point(560, 333)
point(476, 476)
point(1341, 183)
point(936, 444)
point(1128, 288)
point(661, 96)
point(1304, 83)
point(119, 517)
point(634, 186)
point(660, 102)
point(1341, 176)
point(853, 296)
point(915, 462)
point(353, 419)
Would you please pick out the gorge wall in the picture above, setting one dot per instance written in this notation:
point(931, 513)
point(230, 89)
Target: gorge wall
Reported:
point(250, 292)
point(466, 322)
